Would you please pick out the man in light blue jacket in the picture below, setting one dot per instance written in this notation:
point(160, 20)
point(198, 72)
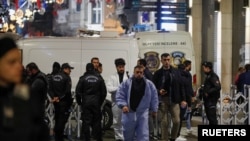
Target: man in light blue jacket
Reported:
point(137, 96)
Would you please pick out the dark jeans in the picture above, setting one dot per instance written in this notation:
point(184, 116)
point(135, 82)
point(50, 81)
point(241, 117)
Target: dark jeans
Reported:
point(182, 113)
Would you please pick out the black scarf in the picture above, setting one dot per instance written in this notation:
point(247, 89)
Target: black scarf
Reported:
point(137, 92)
point(120, 77)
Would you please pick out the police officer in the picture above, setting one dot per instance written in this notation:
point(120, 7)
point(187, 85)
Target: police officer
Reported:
point(61, 95)
point(211, 92)
point(56, 68)
point(90, 94)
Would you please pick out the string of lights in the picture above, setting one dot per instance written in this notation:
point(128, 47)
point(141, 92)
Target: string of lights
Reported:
point(15, 12)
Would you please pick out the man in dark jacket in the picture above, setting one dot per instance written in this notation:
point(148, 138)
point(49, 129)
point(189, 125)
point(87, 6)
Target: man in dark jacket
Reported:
point(38, 92)
point(149, 76)
point(211, 92)
point(244, 79)
point(61, 95)
point(147, 72)
point(185, 69)
point(189, 93)
point(171, 91)
point(90, 94)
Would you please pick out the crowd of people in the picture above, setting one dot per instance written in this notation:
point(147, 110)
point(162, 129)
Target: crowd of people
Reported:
point(138, 101)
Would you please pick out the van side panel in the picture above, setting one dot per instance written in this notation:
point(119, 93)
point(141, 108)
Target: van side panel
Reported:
point(178, 44)
point(46, 51)
point(78, 52)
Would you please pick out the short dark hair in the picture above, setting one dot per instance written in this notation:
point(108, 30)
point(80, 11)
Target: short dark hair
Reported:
point(187, 62)
point(208, 64)
point(181, 66)
point(94, 58)
point(241, 68)
point(143, 62)
point(32, 66)
point(165, 55)
point(7, 43)
point(119, 61)
point(247, 67)
point(138, 67)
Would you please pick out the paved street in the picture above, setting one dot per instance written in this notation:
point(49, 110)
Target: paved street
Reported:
point(109, 135)
point(196, 120)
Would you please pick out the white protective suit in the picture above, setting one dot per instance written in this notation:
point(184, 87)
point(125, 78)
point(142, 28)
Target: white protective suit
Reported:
point(112, 86)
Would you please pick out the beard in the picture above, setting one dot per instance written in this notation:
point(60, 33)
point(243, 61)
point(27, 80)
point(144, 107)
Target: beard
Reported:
point(121, 72)
point(138, 79)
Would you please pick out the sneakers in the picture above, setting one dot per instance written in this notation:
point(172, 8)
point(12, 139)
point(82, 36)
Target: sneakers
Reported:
point(189, 131)
point(180, 138)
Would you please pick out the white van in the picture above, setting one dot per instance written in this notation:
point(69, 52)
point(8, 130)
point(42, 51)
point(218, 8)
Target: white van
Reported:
point(78, 51)
point(178, 44)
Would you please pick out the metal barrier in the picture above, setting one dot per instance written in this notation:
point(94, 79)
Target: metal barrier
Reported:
point(233, 108)
point(50, 113)
point(73, 125)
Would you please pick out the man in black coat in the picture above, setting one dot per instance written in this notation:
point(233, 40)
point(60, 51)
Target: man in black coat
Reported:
point(147, 72)
point(38, 91)
point(90, 94)
point(171, 91)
